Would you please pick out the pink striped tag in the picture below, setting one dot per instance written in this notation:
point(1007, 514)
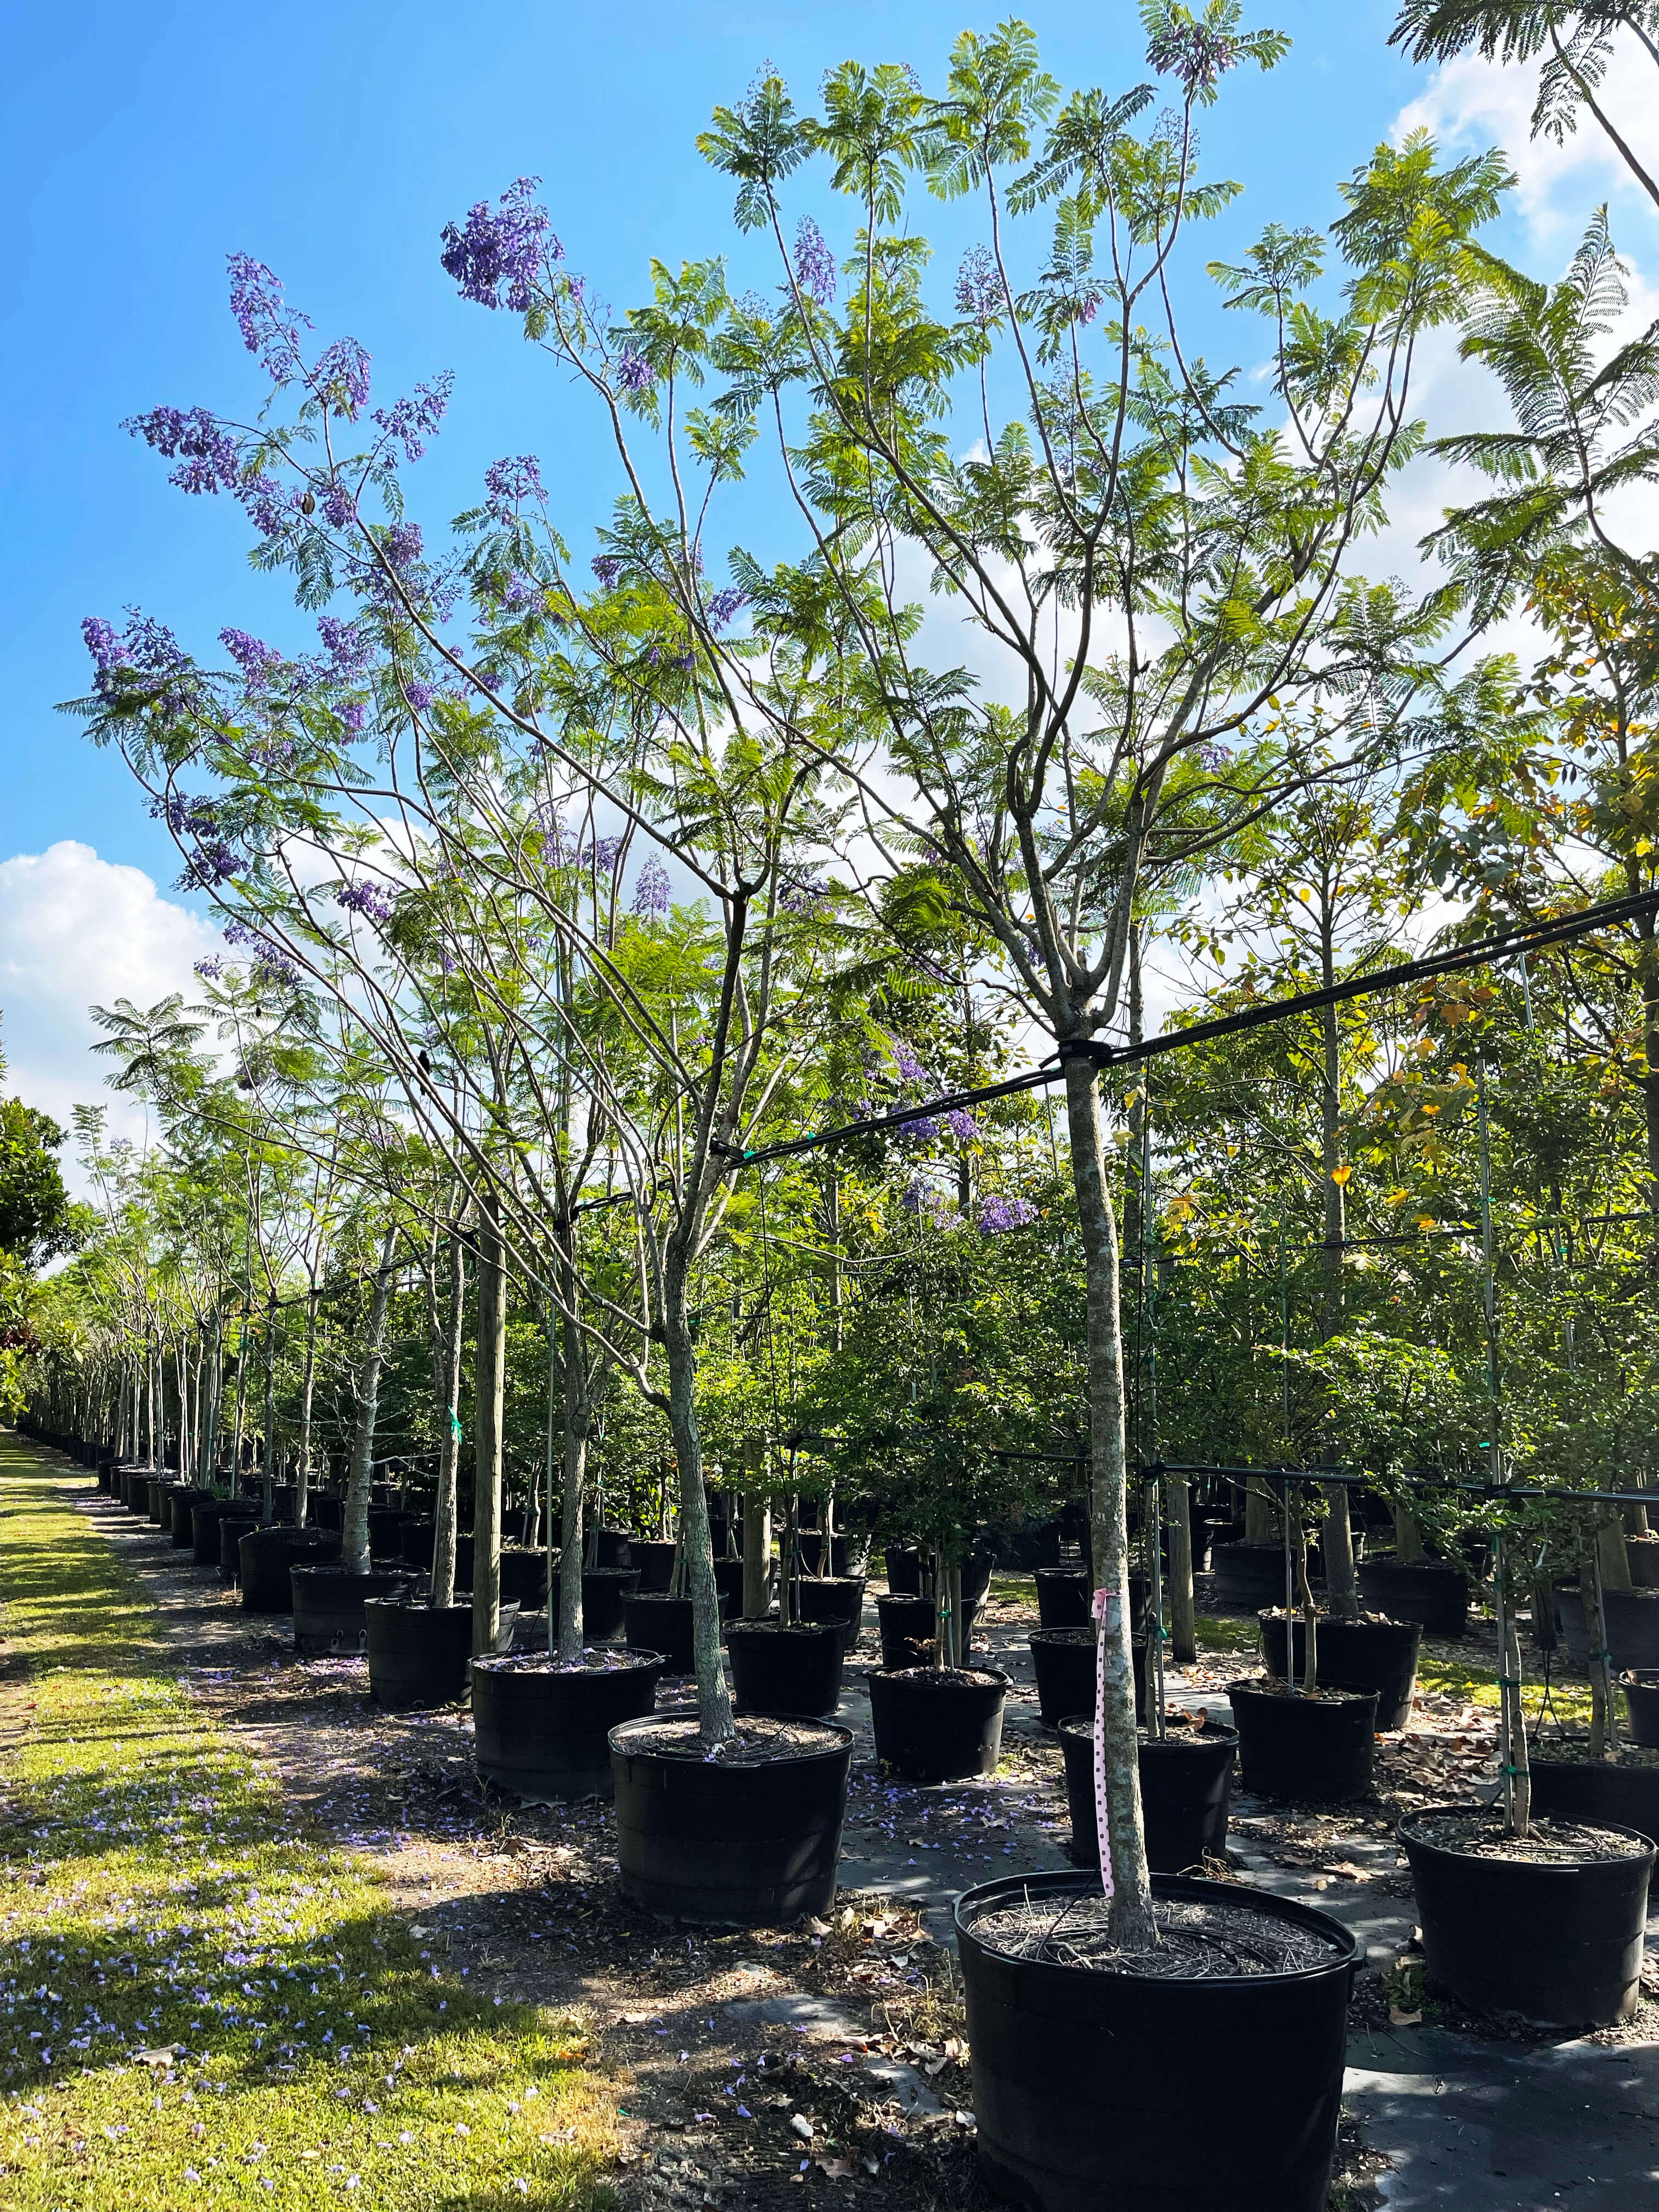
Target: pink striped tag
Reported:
point(1106, 1606)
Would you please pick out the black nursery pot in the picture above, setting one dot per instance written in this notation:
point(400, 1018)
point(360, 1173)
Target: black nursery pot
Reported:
point(236, 1522)
point(1063, 1660)
point(1354, 1655)
point(652, 1621)
point(605, 1591)
point(1062, 1597)
point(934, 1726)
point(326, 1512)
point(1248, 1576)
point(1318, 1750)
point(328, 1604)
point(903, 1566)
point(1632, 1624)
point(543, 1732)
point(1568, 1783)
point(612, 1549)
point(1557, 1944)
point(1063, 2128)
point(1641, 1689)
point(909, 1626)
point(417, 1654)
point(1425, 1590)
point(752, 1844)
point(838, 1599)
point(786, 1670)
point(1643, 1552)
point(524, 1577)
point(268, 1555)
point(181, 1506)
point(1185, 1783)
point(205, 1517)
point(655, 1560)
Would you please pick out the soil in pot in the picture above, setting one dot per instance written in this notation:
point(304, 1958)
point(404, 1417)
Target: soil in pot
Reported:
point(838, 1599)
point(1314, 1751)
point(327, 1603)
point(418, 1654)
point(1425, 1590)
point(1550, 1928)
point(1568, 1785)
point(1370, 1654)
point(655, 1561)
point(750, 1839)
point(786, 1670)
point(1248, 1576)
point(935, 1724)
point(1186, 1781)
point(1641, 1689)
point(653, 1621)
point(267, 1556)
point(1063, 1660)
point(1250, 1990)
point(542, 1728)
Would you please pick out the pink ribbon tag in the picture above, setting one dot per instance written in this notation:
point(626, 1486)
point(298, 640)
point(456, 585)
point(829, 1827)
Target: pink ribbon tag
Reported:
point(1107, 1605)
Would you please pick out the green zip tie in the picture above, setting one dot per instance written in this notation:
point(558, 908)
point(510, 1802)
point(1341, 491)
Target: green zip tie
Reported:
point(1510, 1682)
point(1514, 1772)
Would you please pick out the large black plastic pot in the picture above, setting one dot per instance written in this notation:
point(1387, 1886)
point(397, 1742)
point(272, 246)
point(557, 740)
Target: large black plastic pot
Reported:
point(1185, 1783)
point(1248, 1576)
point(1425, 1590)
point(1063, 1599)
point(1354, 1655)
point(205, 1515)
point(934, 1726)
point(838, 1599)
point(267, 1556)
point(1571, 1785)
point(612, 1549)
point(181, 1504)
point(903, 1566)
point(907, 1628)
point(728, 1581)
point(786, 1670)
point(156, 1502)
point(1641, 1689)
point(1643, 1552)
point(1080, 2105)
point(417, 1654)
point(524, 1577)
point(1319, 1750)
point(325, 1512)
point(236, 1521)
point(810, 1541)
point(655, 1558)
point(544, 1732)
point(604, 1590)
point(652, 1621)
point(1632, 1624)
point(1063, 1660)
point(328, 1605)
point(751, 1844)
point(1559, 1944)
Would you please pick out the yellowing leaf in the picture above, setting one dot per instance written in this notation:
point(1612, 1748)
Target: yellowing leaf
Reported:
point(1339, 1176)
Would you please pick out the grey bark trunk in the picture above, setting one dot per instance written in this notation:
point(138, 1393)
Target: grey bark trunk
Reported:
point(445, 1377)
point(1132, 1920)
point(714, 1699)
point(578, 1429)
point(354, 1531)
point(757, 1553)
point(490, 1388)
point(1183, 1610)
point(307, 1389)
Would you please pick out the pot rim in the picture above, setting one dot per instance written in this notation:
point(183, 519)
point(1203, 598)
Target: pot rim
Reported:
point(890, 1674)
point(1272, 1685)
point(1210, 1734)
point(782, 1628)
point(843, 1744)
point(1567, 1868)
point(536, 1662)
point(1344, 1956)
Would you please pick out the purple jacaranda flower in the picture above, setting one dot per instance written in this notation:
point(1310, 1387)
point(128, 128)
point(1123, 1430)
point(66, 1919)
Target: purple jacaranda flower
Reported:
point(961, 1125)
point(607, 567)
point(209, 456)
point(979, 288)
point(403, 545)
point(999, 1214)
point(909, 1068)
point(252, 655)
point(802, 898)
point(651, 889)
point(412, 422)
point(214, 862)
point(150, 651)
point(550, 822)
point(339, 508)
point(921, 1132)
point(354, 713)
point(725, 606)
point(185, 817)
point(376, 902)
point(513, 478)
point(635, 374)
point(269, 325)
point(272, 511)
point(495, 256)
point(341, 377)
point(102, 643)
point(602, 854)
point(420, 696)
point(815, 265)
point(211, 971)
point(349, 651)
point(522, 591)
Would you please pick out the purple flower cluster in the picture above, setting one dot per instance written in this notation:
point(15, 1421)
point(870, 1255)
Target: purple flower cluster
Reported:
point(815, 265)
point(724, 607)
point(147, 650)
point(211, 971)
point(979, 288)
point(961, 1125)
point(376, 902)
point(510, 481)
point(185, 817)
point(921, 1132)
point(802, 898)
point(998, 1215)
point(635, 374)
point(208, 458)
point(403, 545)
point(909, 1068)
point(341, 377)
point(602, 854)
point(213, 862)
point(607, 567)
point(522, 591)
point(412, 422)
point(252, 655)
point(349, 651)
point(269, 325)
point(495, 256)
point(651, 889)
point(420, 696)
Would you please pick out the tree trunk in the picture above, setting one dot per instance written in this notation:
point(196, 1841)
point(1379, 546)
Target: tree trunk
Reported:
point(1183, 1611)
point(267, 1470)
point(308, 1389)
point(354, 1529)
point(1613, 1559)
point(1132, 1924)
point(1408, 1536)
point(1258, 1513)
point(1341, 1579)
point(757, 1553)
point(488, 1390)
point(714, 1700)
point(578, 1429)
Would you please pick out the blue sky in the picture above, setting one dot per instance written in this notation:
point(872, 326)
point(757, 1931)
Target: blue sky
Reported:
point(144, 144)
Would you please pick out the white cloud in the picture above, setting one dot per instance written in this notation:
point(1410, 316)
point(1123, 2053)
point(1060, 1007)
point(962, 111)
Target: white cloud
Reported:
point(76, 931)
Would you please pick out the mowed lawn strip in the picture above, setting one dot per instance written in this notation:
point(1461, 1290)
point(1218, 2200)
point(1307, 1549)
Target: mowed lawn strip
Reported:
point(200, 2002)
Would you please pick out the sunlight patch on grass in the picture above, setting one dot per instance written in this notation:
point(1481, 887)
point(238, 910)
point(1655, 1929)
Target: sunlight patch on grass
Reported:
point(201, 2003)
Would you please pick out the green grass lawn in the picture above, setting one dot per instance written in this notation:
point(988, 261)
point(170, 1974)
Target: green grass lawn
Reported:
point(200, 2001)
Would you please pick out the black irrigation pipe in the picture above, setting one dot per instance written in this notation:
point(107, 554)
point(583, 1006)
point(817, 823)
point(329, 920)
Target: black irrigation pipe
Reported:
point(1531, 937)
